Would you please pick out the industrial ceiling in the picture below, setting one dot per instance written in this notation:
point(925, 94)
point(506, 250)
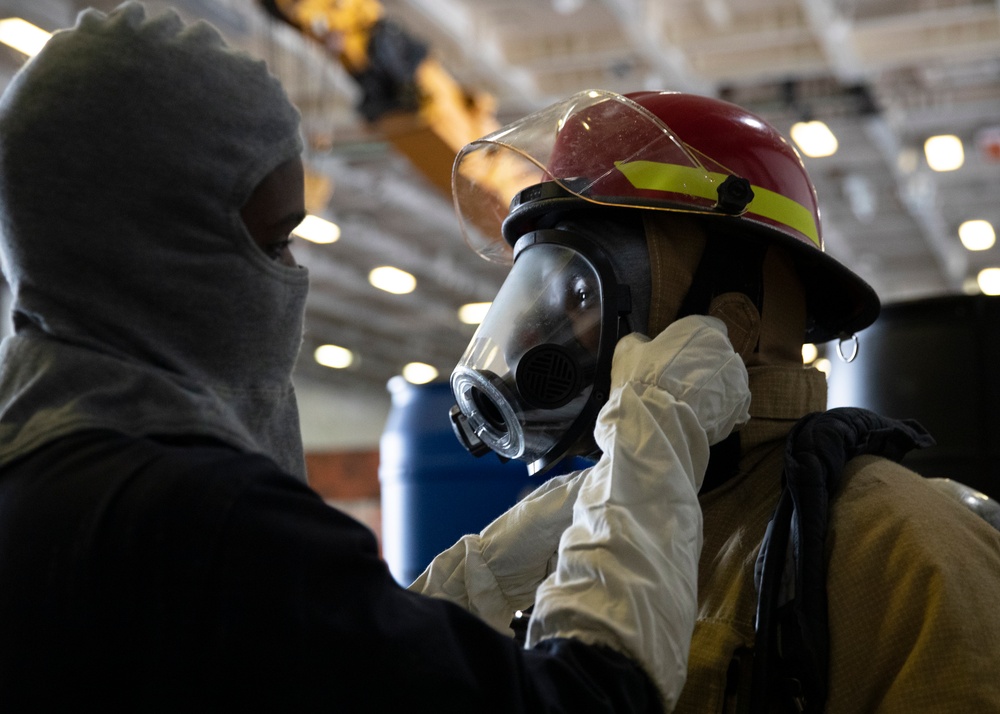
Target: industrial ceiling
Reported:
point(884, 75)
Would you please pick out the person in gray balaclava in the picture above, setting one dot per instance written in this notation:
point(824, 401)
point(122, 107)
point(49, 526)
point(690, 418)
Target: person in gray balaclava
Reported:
point(159, 549)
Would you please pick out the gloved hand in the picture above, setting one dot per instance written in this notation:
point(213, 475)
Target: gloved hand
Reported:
point(627, 565)
point(495, 573)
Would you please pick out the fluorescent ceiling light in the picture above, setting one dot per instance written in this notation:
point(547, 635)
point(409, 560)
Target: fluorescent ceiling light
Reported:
point(814, 138)
point(317, 230)
point(473, 313)
point(989, 281)
point(23, 36)
point(944, 152)
point(333, 356)
point(392, 280)
point(977, 235)
point(419, 373)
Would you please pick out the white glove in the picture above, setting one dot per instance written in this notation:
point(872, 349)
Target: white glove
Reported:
point(496, 573)
point(627, 566)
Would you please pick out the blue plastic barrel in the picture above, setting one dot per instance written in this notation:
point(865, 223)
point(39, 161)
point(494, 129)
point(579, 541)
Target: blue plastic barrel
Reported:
point(433, 490)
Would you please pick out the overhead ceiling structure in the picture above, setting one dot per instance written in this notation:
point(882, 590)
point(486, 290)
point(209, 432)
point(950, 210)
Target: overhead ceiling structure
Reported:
point(884, 75)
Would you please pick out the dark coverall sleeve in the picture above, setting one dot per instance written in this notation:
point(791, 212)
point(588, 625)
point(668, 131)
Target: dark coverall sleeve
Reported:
point(141, 576)
point(351, 637)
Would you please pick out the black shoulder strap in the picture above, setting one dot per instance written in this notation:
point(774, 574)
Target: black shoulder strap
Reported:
point(791, 648)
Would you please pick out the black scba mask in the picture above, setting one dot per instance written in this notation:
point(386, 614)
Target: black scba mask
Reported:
point(538, 369)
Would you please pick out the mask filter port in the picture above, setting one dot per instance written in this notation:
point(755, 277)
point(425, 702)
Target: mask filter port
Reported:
point(548, 376)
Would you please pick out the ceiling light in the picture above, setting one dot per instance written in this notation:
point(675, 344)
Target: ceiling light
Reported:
point(944, 152)
point(814, 139)
point(473, 313)
point(567, 7)
point(718, 13)
point(809, 353)
point(977, 235)
point(823, 365)
point(318, 230)
point(392, 280)
point(419, 373)
point(989, 281)
point(333, 356)
point(23, 36)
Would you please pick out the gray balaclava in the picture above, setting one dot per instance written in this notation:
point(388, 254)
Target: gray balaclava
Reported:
point(140, 302)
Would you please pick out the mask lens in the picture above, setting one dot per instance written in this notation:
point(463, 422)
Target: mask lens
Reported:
point(529, 370)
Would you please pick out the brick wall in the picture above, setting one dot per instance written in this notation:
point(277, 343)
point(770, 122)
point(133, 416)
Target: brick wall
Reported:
point(348, 481)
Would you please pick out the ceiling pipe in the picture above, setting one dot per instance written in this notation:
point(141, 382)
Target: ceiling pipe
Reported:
point(480, 45)
point(642, 28)
point(834, 33)
point(922, 205)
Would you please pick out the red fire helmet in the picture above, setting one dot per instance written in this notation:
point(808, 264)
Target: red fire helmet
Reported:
point(664, 151)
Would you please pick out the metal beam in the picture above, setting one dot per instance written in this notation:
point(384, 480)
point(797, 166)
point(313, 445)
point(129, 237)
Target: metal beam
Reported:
point(918, 193)
point(834, 33)
point(641, 21)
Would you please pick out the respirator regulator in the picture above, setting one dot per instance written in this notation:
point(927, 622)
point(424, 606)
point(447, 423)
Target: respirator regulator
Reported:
point(538, 369)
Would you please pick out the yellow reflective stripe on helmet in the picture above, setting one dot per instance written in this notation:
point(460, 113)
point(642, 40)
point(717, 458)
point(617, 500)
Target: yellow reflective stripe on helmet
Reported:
point(784, 210)
point(695, 181)
point(656, 176)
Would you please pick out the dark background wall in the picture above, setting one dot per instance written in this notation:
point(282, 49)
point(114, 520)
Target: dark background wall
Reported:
point(935, 360)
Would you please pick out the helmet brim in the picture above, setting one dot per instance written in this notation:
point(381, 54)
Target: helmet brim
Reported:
point(839, 303)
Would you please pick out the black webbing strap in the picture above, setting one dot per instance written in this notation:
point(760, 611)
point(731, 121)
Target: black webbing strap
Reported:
point(792, 642)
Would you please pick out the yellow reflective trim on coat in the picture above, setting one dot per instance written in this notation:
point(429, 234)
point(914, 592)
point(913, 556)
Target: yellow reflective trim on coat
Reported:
point(695, 181)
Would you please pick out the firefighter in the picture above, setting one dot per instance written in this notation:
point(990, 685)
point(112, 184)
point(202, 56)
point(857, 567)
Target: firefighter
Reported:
point(640, 211)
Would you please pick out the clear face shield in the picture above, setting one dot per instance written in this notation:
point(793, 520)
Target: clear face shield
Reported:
point(598, 146)
point(536, 373)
